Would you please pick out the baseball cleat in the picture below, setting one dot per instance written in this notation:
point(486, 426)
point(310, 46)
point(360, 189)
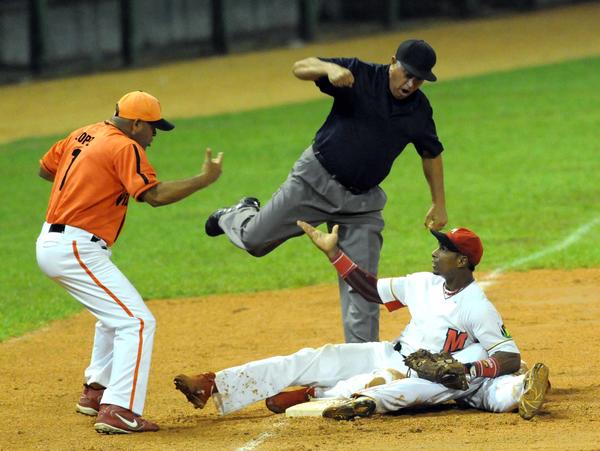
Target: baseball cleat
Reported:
point(348, 410)
point(535, 387)
point(89, 401)
point(113, 419)
point(212, 228)
point(197, 389)
point(280, 402)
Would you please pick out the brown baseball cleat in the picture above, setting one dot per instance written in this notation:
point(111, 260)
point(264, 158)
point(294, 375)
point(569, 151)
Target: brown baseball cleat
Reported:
point(197, 389)
point(114, 419)
point(281, 401)
point(535, 387)
point(362, 406)
point(89, 401)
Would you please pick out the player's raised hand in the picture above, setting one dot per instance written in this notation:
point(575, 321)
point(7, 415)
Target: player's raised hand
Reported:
point(326, 242)
point(211, 169)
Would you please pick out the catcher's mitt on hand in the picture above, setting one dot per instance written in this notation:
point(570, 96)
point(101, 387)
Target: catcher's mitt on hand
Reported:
point(438, 367)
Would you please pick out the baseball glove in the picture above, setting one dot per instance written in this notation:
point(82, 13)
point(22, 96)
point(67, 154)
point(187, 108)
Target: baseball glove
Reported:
point(438, 367)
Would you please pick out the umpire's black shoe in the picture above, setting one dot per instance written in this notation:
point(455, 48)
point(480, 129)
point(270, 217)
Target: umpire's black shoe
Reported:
point(212, 227)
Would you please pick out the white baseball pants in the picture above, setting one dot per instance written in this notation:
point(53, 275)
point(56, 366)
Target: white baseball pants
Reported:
point(499, 394)
point(340, 370)
point(125, 329)
point(324, 367)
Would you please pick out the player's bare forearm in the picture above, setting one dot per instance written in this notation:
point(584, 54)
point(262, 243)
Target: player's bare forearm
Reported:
point(166, 193)
point(46, 175)
point(433, 169)
point(510, 362)
point(312, 69)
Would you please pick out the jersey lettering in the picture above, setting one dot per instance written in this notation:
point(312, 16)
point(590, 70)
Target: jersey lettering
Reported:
point(455, 340)
point(85, 139)
point(505, 332)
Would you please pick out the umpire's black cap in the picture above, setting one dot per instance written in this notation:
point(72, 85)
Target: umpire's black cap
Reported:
point(418, 58)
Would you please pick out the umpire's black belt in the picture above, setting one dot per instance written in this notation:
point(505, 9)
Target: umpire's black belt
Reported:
point(60, 228)
point(319, 156)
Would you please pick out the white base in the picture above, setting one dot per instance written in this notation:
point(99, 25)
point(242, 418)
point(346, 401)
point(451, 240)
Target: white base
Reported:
point(313, 408)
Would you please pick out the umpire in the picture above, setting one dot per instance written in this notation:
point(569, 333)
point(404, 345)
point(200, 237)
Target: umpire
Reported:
point(377, 111)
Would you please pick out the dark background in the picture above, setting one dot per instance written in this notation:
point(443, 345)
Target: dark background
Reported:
point(49, 38)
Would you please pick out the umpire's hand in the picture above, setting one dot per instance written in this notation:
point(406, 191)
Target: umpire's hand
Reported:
point(436, 218)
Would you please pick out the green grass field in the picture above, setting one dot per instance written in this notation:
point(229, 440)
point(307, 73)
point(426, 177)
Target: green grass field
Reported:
point(521, 169)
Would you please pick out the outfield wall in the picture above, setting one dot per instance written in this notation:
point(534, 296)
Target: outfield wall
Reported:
point(59, 37)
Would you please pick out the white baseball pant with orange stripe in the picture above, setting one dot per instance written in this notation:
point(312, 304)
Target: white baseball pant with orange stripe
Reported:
point(125, 328)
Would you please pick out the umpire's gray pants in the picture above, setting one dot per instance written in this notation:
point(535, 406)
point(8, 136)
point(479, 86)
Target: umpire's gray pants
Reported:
point(312, 195)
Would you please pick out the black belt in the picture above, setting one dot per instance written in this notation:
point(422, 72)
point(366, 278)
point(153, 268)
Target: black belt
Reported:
point(60, 228)
point(319, 156)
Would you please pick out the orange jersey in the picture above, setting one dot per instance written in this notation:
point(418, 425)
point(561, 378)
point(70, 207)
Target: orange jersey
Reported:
point(96, 168)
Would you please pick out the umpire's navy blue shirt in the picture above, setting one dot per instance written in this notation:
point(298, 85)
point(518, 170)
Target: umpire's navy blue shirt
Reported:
point(368, 128)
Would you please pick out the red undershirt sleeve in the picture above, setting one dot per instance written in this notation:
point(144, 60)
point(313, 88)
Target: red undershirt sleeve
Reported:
point(363, 282)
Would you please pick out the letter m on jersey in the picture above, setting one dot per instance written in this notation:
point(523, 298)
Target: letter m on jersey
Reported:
point(455, 340)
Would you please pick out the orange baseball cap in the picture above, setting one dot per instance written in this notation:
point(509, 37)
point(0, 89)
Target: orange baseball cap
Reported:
point(143, 106)
point(463, 241)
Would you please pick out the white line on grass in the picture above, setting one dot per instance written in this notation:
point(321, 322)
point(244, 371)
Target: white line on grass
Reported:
point(568, 241)
point(262, 437)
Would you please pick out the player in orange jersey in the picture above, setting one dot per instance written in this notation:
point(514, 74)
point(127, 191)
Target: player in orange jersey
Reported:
point(94, 171)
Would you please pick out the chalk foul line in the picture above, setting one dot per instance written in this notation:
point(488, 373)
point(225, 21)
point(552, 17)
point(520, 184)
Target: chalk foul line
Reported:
point(570, 239)
point(252, 444)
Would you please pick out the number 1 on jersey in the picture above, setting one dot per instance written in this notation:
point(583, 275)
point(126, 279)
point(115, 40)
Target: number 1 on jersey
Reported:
point(75, 153)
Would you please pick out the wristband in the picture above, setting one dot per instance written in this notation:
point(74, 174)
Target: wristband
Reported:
point(343, 264)
point(485, 368)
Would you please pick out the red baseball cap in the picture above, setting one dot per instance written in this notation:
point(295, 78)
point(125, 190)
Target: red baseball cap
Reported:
point(143, 106)
point(463, 241)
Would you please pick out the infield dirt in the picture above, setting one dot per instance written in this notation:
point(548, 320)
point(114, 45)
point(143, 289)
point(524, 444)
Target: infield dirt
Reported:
point(553, 315)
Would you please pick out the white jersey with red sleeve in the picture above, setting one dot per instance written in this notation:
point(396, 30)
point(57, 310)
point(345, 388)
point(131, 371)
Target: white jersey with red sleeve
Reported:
point(444, 323)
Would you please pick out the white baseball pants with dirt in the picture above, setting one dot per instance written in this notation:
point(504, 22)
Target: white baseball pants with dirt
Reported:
point(311, 194)
point(337, 370)
point(499, 394)
point(324, 367)
point(125, 328)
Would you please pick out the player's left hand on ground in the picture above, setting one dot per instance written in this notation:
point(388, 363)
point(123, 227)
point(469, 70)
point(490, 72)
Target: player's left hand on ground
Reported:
point(438, 367)
point(436, 218)
point(211, 169)
point(327, 242)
